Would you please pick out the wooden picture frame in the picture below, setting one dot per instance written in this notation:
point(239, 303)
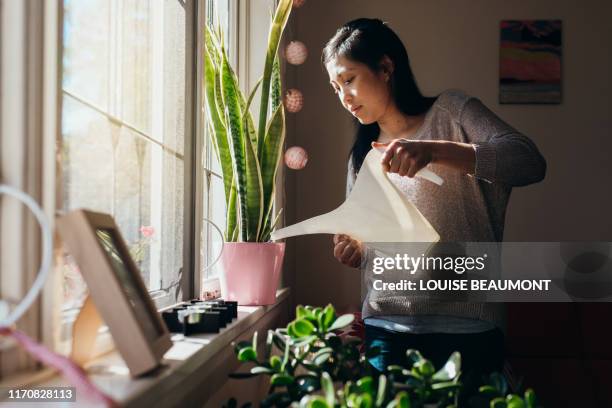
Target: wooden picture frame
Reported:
point(116, 288)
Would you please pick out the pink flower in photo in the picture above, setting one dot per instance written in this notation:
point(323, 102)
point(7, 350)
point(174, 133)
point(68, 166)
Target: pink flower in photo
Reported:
point(147, 231)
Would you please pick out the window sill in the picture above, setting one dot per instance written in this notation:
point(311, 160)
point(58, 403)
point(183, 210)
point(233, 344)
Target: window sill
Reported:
point(192, 369)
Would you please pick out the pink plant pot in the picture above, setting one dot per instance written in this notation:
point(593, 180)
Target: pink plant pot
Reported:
point(251, 271)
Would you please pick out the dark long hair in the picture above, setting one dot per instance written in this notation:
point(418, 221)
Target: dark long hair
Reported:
point(367, 41)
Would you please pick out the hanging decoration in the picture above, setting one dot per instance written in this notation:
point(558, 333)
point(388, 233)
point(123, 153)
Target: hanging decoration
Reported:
point(296, 52)
point(294, 100)
point(296, 158)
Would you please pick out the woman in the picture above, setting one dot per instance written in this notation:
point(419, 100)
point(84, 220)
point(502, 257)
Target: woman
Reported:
point(478, 155)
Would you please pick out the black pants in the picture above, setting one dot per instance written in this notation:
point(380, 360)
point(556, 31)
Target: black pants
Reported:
point(481, 353)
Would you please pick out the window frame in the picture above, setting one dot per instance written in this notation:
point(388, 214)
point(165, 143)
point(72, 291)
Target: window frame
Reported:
point(29, 37)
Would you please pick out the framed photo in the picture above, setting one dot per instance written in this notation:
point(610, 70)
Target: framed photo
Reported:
point(116, 288)
point(530, 62)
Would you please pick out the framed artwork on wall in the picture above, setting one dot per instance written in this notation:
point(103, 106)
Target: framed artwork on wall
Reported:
point(530, 62)
point(116, 288)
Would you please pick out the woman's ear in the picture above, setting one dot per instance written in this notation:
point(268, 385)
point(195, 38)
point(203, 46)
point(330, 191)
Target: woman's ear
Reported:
point(387, 67)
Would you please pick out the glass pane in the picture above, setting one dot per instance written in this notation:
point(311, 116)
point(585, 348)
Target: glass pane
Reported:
point(111, 169)
point(87, 158)
point(137, 38)
point(153, 70)
point(86, 54)
point(174, 58)
point(218, 14)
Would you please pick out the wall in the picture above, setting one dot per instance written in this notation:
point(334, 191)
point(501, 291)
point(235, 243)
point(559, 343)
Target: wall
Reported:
point(455, 44)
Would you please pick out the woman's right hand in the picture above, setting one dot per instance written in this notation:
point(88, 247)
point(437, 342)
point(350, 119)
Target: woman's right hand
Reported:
point(347, 250)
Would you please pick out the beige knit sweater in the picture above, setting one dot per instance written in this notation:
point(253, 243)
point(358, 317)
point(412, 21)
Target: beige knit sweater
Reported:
point(466, 208)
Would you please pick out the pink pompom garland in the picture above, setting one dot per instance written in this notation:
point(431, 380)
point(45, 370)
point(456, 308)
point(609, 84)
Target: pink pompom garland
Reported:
point(296, 158)
point(296, 52)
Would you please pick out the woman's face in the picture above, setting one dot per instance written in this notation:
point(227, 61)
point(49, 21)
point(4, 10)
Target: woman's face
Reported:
point(363, 92)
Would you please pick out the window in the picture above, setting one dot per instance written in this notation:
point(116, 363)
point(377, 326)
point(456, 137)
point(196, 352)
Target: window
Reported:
point(125, 130)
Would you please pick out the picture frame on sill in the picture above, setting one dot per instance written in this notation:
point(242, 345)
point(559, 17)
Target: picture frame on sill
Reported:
point(116, 288)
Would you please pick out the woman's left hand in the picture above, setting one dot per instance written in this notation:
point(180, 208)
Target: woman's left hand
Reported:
point(406, 157)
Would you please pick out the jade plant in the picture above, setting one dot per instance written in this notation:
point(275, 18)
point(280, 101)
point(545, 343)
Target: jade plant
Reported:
point(311, 364)
point(496, 392)
point(249, 155)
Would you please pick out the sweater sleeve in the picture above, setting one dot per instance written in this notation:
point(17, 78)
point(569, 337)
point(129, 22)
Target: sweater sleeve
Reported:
point(503, 155)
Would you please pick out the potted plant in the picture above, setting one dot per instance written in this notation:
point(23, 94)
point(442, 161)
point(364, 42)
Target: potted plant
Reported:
point(311, 364)
point(249, 158)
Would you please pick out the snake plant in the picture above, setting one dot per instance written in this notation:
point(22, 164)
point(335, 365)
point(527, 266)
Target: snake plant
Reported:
point(249, 155)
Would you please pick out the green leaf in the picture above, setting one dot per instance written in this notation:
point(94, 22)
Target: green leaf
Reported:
point(244, 160)
point(397, 369)
point(327, 386)
point(278, 25)
point(364, 401)
point(261, 370)
point(413, 356)
point(366, 384)
point(514, 401)
point(342, 322)
point(530, 398)
point(328, 317)
point(233, 119)
point(254, 344)
point(488, 389)
point(450, 370)
point(322, 357)
point(381, 393)
point(247, 119)
point(498, 403)
point(240, 345)
point(401, 401)
point(317, 402)
point(304, 341)
point(232, 214)
point(425, 368)
point(285, 357)
point(275, 95)
point(302, 313)
point(274, 139)
point(300, 328)
point(281, 379)
point(275, 362)
point(247, 354)
point(446, 386)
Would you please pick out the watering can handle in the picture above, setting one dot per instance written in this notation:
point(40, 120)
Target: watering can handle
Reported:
point(215, 226)
point(424, 173)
